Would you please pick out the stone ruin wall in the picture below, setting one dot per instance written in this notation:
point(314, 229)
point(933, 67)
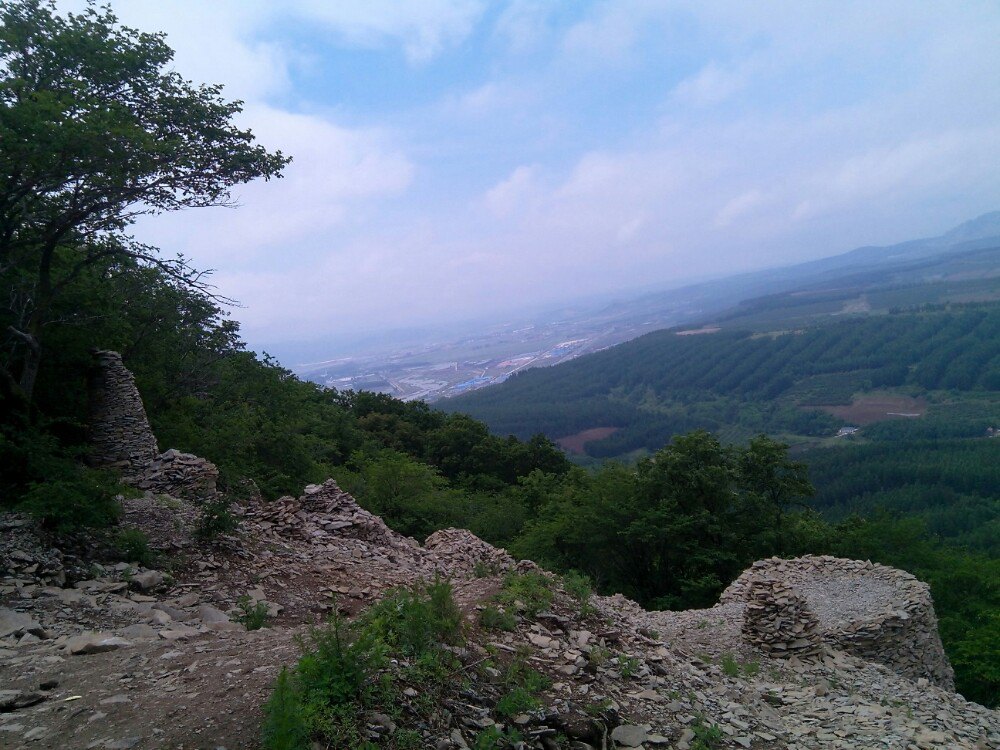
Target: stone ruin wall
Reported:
point(120, 437)
point(778, 620)
point(896, 626)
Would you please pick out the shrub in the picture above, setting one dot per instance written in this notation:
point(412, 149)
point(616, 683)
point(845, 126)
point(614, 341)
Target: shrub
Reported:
point(87, 500)
point(530, 593)
point(284, 722)
point(706, 737)
point(730, 666)
point(580, 588)
point(517, 701)
point(215, 519)
point(628, 666)
point(336, 668)
point(493, 618)
point(253, 615)
point(416, 621)
point(131, 545)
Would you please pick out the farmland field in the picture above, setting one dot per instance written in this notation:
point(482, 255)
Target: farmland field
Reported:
point(875, 407)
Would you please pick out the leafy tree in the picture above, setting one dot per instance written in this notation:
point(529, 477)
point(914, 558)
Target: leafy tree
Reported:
point(95, 131)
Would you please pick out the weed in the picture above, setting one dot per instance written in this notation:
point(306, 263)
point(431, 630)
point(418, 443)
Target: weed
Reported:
point(597, 708)
point(415, 621)
point(131, 545)
point(284, 723)
point(214, 520)
point(483, 569)
point(580, 588)
point(598, 655)
point(493, 618)
point(730, 666)
point(529, 593)
point(628, 666)
point(517, 701)
point(492, 738)
point(407, 739)
point(706, 737)
point(253, 615)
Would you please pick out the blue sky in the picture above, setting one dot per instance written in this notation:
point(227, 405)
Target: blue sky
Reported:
point(459, 159)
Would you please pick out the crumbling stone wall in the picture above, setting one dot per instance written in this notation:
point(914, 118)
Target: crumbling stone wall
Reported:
point(120, 436)
point(878, 613)
point(778, 620)
point(179, 474)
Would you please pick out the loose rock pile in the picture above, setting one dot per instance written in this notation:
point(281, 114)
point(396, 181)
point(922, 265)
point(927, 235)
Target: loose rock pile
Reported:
point(778, 620)
point(120, 436)
point(462, 553)
point(180, 475)
point(878, 613)
point(23, 552)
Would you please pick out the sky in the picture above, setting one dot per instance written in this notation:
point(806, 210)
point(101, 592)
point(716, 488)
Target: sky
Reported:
point(461, 159)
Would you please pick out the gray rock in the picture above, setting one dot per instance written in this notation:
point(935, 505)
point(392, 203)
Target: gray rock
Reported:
point(629, 735)
point(11, 700)
point(147, 580)
point(18, 623)
point(210, 614)
point(139, 631)
point(94, 643)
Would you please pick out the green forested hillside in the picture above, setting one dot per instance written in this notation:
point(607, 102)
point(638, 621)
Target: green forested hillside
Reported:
point(663, 383)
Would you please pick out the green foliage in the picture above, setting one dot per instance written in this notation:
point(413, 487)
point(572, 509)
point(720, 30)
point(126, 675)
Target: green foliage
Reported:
point(493, 738)
point(345, 671)
point(628, 666)
point(706, 737)
point(87, 500)
point(253, 615)
point(335, 667)
point(214, 519)
point(415, 621)
point(673, 531)
point(517, 701)
point(730, 667)
point(580, 588)
point(131, 545)
point(494, 618)
point(529, 593)
point(66, 83)
point(285, 725)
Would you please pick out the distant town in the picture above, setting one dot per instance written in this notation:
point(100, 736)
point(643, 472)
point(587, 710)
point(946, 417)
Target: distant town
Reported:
point(435, 370)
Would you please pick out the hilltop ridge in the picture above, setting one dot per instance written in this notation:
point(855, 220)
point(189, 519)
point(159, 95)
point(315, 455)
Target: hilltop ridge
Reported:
point(151, 661)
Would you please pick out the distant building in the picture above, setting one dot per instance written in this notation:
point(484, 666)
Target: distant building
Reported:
point(845, 431)
point(993, 432)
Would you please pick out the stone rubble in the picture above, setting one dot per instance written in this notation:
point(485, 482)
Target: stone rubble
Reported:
point(778, 620)
point(873, 611)
point(133, 657)
point(179, 474)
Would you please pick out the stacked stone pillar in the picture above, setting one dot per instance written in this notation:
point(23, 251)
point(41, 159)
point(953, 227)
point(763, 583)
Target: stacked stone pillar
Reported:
point(120, 435)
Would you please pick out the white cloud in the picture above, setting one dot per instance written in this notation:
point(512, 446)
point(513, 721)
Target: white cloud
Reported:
point(333, 171)
point(711, 85)
point(511, 193)
point(422, 27)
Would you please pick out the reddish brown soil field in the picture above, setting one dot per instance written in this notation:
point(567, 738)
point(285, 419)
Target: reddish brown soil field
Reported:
point(575, 443)
point(878, 407)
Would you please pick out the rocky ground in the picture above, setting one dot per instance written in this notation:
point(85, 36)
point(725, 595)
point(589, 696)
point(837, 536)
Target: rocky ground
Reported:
point(114, 655)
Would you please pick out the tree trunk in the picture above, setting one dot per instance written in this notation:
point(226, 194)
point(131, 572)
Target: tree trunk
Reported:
point(32, 360)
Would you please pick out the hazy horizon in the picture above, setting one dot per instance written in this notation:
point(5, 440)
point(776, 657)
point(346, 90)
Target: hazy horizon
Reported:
point(458, 160)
